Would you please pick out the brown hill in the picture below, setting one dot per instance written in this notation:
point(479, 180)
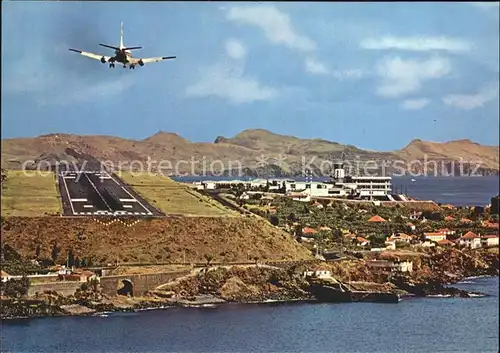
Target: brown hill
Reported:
point(453, 150)
point(251, 152)
point(152, 241)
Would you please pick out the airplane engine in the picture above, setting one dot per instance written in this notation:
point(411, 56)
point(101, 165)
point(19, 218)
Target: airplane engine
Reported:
point(103, 60)
point(141, 63)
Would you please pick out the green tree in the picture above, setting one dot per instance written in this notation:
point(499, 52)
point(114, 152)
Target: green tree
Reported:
point(298, 231)
point(16, 288)
point(55, 252)
point(71, 258)
point(275, 221)
point(38, 250)
point(209, 258)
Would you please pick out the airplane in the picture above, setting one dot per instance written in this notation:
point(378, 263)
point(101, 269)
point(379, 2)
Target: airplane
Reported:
point(123, 55)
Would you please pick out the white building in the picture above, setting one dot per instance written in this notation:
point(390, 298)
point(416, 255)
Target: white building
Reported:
point(403, 266)
point(435, 236)
point(393, 266)
point(471, 240)
point(489, 240)
point(340, 185)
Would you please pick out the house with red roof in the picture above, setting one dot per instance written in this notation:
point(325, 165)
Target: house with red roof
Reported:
point(411, 226)
point(400, 238)
point(309, 231)
point(445, 242)
point(362, 241)
point(446, 231)
point(466, 221)
point(377, 219)
point(470, 239)
point(449, 218)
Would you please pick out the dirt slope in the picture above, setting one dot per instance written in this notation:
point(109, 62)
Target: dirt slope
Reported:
point(159, 240)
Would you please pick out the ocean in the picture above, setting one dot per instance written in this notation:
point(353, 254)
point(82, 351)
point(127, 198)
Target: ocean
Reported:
point(458, 191)
point(413, 325)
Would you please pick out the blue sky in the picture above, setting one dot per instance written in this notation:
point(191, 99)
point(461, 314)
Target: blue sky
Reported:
point(372, 75)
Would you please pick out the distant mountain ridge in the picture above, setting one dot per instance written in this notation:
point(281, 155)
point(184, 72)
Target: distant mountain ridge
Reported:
point(254, 152)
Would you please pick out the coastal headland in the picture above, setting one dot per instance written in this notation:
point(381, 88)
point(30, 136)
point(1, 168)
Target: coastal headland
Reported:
point(203, 251)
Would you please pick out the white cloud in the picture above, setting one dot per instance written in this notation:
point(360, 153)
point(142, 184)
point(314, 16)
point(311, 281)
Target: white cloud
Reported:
point(313, 66)
point(415, 104)
point(276, 25)
point(400, 76)
point(415, 44)
point(235, 49)
point(229, 83)
point(348, 74)
point(472, 101)
point(316, 67)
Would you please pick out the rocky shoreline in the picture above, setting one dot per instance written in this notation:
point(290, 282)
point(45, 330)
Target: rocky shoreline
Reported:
point(13, 309)
point(28, 309)
point(433, 276)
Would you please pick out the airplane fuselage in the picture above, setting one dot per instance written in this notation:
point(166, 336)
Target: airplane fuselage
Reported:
point(122, 56)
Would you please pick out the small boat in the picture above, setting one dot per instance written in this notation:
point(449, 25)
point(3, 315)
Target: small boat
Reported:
point(413, 179)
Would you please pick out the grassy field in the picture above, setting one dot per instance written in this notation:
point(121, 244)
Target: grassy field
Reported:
point(172, 197)
point(30, 194)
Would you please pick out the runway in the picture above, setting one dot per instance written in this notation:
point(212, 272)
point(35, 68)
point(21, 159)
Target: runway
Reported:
point(98, 193)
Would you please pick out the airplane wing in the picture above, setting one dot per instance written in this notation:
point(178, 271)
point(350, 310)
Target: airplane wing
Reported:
point(92, 55)
point(149, 60)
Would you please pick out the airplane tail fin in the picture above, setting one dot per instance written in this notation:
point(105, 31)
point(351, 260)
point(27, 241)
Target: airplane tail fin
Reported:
point(121, 36)
point(122, 46)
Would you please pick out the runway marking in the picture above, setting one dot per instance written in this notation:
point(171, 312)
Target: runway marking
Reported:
point(88, 206)
point(78, 200)
point(69, 197)
point(70, 177)
point(128, 200)
point(132, 196)
point(128, 206)
point(97, 191)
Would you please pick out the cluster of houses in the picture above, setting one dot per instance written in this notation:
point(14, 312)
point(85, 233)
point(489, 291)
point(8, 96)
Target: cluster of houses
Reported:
point(393, 266)
point(57, 273)
point(440, 237)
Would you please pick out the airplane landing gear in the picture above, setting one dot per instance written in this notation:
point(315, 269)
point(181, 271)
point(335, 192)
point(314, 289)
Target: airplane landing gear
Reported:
point(111, 65)
point(132, 67)
point(124, 66)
